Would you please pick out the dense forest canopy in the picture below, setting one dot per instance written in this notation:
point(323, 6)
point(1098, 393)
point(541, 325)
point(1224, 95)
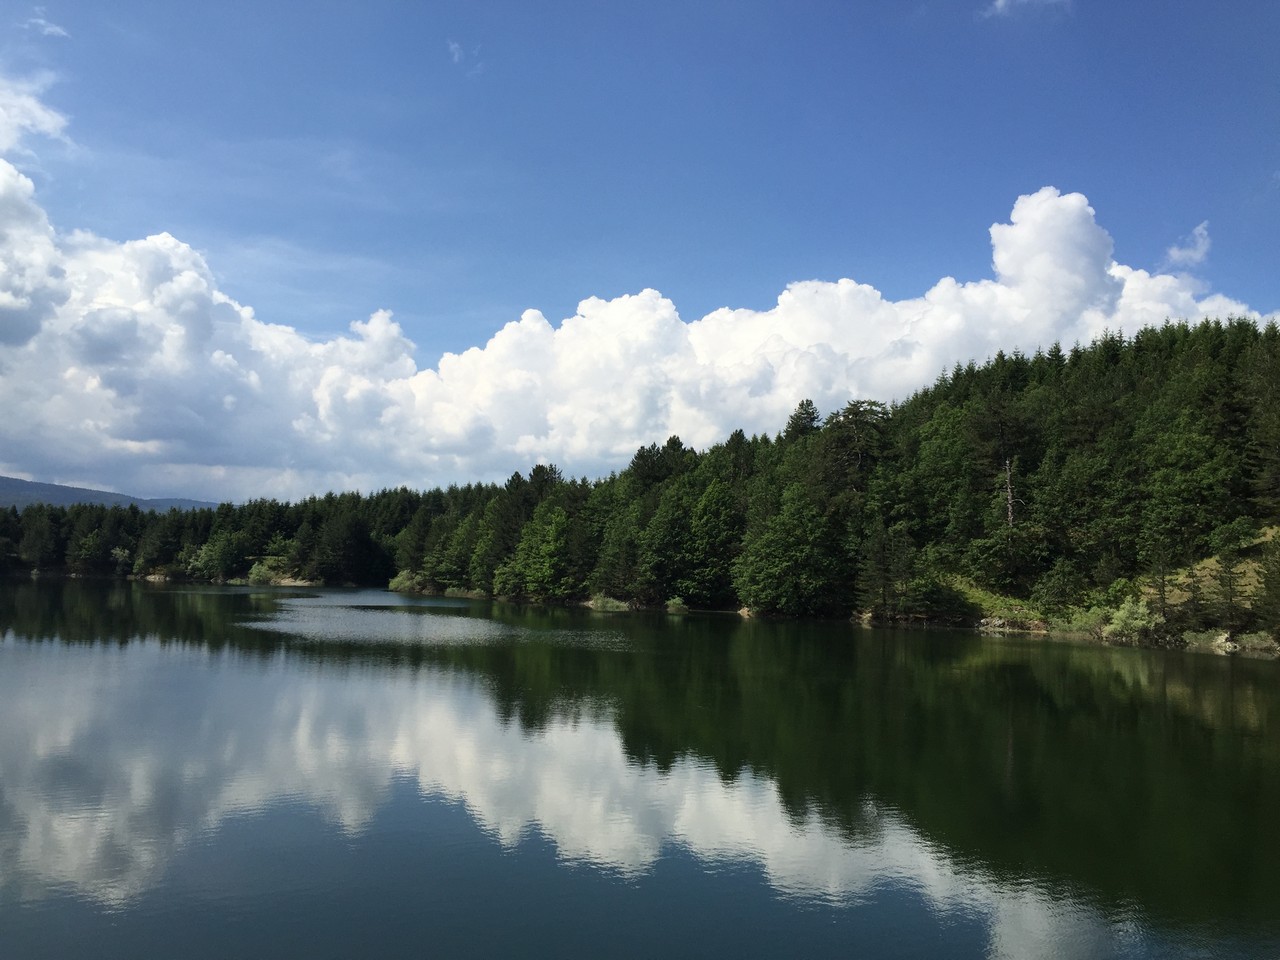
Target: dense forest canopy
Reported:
point(1060, 478)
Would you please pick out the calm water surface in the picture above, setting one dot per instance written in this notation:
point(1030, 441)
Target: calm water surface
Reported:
point(247, 773)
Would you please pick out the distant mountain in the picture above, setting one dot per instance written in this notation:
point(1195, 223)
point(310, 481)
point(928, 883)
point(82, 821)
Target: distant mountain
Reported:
point(21, 493)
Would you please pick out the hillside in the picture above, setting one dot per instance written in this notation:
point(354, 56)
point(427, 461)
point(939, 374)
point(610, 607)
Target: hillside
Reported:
point(23, 493)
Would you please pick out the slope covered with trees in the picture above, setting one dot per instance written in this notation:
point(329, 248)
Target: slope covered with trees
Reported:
point(1092, 477)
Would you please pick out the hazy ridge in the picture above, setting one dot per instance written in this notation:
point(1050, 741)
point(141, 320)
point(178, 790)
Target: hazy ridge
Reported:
point(23, 493)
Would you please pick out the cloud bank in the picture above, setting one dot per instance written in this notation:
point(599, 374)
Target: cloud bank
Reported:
point(122, 364)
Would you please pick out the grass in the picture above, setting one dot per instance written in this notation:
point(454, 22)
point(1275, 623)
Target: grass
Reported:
point(1203, 576)
point(995, 605)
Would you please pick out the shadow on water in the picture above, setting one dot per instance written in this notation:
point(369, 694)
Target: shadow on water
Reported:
point(1137, 778)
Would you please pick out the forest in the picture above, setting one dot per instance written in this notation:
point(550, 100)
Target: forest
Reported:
point(1130, 487)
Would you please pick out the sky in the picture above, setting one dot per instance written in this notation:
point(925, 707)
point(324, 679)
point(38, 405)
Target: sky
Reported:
point(278, 249)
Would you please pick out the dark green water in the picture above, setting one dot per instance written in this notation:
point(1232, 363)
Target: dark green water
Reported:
point(240, 773)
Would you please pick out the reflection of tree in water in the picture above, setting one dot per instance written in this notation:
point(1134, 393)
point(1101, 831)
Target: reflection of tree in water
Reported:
point(116, 611)
point(1142, 776)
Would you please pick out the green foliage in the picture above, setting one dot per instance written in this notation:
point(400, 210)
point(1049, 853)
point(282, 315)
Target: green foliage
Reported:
point(617, 571)
point(38, 547)
point(405, 581)
point(1132, 623)
point(803, 422)
point(888, 568)
point(222, 557)
point(345, 551)
point(791, 565)
point(540, 567)
point(716, 528)
point(1267, 604)
point(982, 602)
point(269, 570)
point(666, 558)
point(1059, 588)
point(1091, 622)
point(1228, 542)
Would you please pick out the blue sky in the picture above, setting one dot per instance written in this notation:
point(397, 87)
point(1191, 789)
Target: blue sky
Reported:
point(460, 163)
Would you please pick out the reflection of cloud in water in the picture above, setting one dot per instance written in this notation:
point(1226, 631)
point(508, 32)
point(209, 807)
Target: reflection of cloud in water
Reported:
point(404, 625)
point(356, 618)
point(111, 760)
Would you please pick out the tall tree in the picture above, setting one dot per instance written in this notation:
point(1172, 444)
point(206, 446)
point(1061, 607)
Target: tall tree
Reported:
point(793, 565)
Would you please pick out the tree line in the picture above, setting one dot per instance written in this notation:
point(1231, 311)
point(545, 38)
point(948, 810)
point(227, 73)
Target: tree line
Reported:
point(1063, 479)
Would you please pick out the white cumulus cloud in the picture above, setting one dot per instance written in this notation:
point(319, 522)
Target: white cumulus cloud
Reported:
point(1193, 250)
point(123, 364)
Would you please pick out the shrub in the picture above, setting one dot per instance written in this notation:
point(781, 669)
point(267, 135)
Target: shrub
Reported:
point(269, 570)
point(406, 581)
point(1132, 623)
point(1092, 621)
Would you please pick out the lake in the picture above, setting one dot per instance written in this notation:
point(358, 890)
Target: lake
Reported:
point(201, 772)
